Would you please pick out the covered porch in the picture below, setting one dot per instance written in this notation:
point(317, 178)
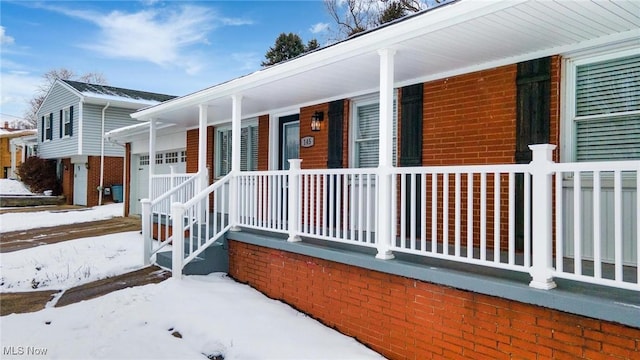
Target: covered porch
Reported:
point(545, 219)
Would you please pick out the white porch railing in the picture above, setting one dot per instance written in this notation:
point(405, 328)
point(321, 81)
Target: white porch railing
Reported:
point(199, 222)
point(163, 183)
point(518, 217)
point(156, 213)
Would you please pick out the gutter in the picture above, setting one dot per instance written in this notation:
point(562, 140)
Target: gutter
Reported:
point(101, 187)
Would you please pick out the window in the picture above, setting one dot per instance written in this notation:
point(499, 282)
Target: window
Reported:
point(171, 157)
point(67, 118)
point(183, 156)
point(604, 93)
point(248, 149)
point(366, 132)
point(159, 157)
point(144, 160)
point(47, 122)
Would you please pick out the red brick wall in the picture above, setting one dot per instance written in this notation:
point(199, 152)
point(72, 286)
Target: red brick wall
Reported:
point(192, 151)
point(113, 167)
point(402, 318)
point(263, 143)
point(471, 118)
point(314, 157)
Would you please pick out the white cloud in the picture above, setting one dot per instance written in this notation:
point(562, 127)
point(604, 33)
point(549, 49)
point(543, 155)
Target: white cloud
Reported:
point(16, 88)
point(4, 38)
point(165, 36)
point(319, 28)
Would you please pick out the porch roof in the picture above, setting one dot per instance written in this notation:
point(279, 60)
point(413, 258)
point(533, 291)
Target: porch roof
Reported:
point(458, 38)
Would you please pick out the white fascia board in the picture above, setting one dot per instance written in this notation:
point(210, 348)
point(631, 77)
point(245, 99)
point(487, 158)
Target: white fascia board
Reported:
point(437, 19)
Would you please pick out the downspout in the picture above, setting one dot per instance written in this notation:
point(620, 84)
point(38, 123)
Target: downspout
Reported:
point(101, 187)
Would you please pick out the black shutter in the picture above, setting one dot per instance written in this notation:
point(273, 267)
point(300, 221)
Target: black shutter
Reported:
point(411, 126)
point(61, 123)
point(411, 143)
point(44, 129)
point(71, 121)
point(50, 132)
point(533, 106)
point(533, 123)
point(336, 123)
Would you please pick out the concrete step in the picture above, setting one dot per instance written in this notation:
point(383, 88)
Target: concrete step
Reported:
point(215, 258)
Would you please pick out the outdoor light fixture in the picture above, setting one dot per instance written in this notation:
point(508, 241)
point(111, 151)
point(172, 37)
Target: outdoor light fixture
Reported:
point(316, 120)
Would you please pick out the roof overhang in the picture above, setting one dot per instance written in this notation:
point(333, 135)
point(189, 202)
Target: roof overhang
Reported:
point(458, 38)
point(137, 132)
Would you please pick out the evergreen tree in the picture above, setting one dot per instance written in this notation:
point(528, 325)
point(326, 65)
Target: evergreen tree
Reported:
point(287, 46)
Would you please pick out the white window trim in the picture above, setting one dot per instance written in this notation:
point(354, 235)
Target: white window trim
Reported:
point(223, 128)
point(48, 125)
point(66, 113)
point(353, 111)
point(568, 110)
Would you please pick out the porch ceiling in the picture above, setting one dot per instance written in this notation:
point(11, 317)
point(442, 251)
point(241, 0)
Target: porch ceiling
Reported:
point(453, 39)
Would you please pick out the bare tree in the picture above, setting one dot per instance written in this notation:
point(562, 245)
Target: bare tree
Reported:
point(48, 79)
point(354, 16)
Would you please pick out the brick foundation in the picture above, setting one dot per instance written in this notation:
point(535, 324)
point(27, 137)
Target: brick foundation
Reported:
point(402, 318)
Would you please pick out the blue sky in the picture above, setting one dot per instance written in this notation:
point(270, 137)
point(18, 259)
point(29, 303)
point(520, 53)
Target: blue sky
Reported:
point(171, 47)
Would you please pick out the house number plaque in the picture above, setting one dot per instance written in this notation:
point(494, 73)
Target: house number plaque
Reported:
point(307, 141)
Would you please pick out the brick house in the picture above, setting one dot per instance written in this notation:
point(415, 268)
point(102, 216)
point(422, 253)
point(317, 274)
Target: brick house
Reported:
point(71, 121)
point(467, 185)
point(11, 155)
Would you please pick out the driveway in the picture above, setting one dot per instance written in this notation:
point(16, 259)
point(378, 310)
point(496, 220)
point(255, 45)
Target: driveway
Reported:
point(22, 302)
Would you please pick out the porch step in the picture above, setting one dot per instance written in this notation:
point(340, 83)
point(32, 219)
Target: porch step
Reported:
point(215, 258)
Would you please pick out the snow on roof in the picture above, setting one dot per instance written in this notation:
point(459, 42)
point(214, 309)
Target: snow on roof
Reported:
point(116, 93)
point(16, 132)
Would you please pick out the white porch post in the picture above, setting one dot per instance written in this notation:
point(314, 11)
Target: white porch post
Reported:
point(293, 200)
point(152, 156)
point(147, 221)
point(202, 147)
point(385, 192)
point(542, 265)
point(177, 250)
point(146, 231)
point(236, 118)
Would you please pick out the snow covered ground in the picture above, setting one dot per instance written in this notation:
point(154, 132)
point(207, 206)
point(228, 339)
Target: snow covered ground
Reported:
point(213, 315)
point(13, 187)
point(70, 263)
point(32, 220)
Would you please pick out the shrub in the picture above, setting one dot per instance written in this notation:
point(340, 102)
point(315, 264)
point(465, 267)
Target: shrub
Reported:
point(39, 175)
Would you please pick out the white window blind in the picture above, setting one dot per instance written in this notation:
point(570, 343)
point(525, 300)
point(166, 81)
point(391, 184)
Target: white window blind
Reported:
point(607, 98)
point(248, 150)
point(367, 135)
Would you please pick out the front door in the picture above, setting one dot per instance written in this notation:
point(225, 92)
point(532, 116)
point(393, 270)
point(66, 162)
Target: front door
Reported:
point(289, 140)
point(80, 184)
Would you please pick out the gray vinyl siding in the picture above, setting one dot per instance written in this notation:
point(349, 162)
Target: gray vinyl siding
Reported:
point(92, 126)
point(59, 98)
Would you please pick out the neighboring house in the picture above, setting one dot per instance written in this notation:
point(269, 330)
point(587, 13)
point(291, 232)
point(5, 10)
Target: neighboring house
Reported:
point(71, 122)
point(421, 222)
point(11, 155)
